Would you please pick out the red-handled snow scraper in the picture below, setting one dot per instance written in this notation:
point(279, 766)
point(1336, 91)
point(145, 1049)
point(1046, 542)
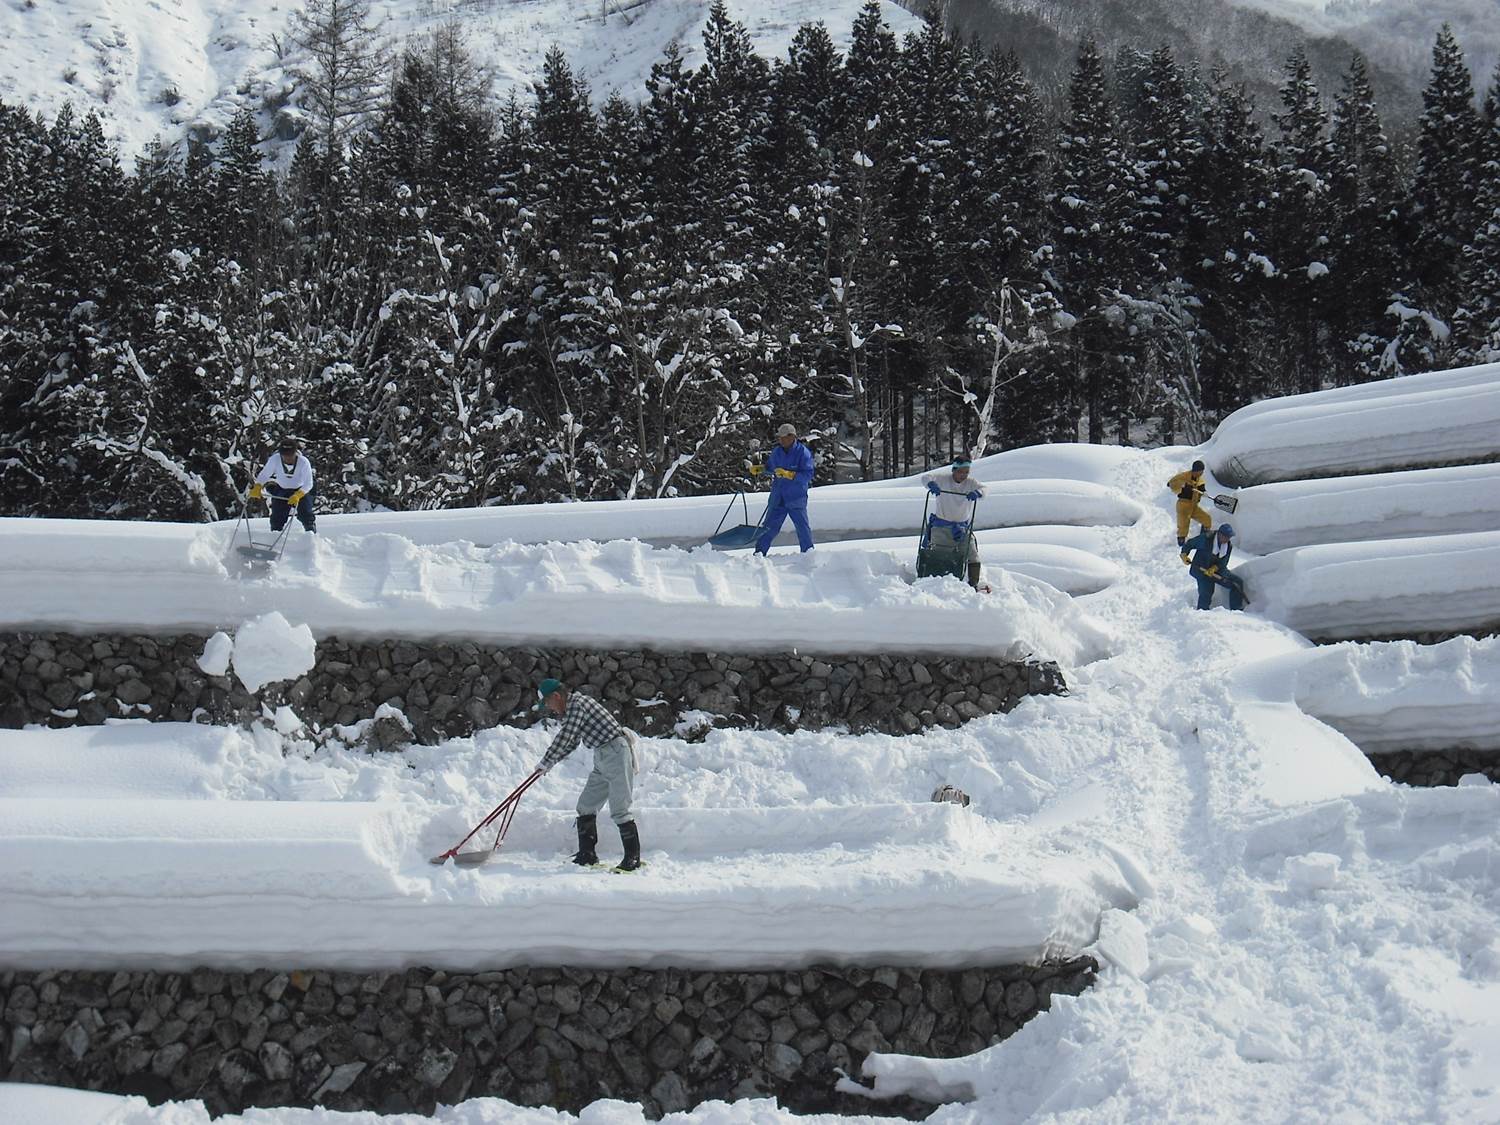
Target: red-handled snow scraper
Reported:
point(504, 812)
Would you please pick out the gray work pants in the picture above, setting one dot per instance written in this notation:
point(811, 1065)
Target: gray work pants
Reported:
point(948, 537)
point(612, 779)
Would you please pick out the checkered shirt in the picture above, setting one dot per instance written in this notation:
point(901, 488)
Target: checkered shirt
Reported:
point(585, 720)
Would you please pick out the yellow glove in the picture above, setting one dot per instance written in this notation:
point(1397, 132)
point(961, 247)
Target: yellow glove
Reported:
point(756, 470)
point(1211, 571)
point(1186, 561)
point(255, 490)
point(786, 474)
point(296, 498)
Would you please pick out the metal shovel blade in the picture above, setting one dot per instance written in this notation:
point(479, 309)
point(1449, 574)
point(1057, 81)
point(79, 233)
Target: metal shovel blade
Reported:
point(463, 859)
point(259, 554)
point(1226, 503)
point(474, 859)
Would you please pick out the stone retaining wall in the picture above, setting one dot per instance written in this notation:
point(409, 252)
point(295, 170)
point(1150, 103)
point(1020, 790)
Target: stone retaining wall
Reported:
point(1479, 631)
point(450, 690)
point(1436, 767)
point(404, 1041)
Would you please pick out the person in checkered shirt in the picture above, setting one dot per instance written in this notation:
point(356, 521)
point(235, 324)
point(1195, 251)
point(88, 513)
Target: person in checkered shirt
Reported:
point(612, 779)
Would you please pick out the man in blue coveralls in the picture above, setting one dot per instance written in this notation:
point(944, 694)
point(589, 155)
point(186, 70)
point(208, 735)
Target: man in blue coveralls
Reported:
point(1209, 564)
point(791, 467)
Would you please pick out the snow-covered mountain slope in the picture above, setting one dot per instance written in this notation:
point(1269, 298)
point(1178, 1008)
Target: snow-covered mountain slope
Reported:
point(151, 68)
point(1286, 935)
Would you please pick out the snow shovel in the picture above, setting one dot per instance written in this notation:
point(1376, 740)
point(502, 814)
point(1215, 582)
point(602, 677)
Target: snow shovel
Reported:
point(504, 812)
point(1226, 503)
point(742, 535)
point(266, 552)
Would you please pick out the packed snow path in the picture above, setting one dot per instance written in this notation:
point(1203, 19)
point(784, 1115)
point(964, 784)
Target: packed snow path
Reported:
point(1310, 941)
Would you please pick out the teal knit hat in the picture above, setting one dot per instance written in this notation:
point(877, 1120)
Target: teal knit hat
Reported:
point(544, 689)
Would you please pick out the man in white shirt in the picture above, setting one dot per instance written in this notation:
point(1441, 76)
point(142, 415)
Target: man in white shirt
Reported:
point(955, 490)
point(288, 477)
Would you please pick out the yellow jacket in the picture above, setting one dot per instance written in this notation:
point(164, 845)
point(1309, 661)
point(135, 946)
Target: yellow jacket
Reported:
point(1188, 485)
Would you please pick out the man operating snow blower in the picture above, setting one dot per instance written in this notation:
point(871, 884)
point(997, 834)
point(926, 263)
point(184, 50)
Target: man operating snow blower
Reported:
point(584, 719)
point(951, 526)
point(288, 477)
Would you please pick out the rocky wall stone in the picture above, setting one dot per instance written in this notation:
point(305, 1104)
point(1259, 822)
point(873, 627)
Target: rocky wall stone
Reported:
point(1436, 767)
point(407, 1041)
point(450, 690)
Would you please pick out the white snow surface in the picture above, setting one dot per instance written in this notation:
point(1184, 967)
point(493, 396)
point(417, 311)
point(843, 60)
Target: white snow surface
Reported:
point(1384, 588)
point(385, 585)
point(1271, 517)
point(152, 69)
point(1418, 420)
point(835, 511)
point(1287, 935)
point(1398, 695)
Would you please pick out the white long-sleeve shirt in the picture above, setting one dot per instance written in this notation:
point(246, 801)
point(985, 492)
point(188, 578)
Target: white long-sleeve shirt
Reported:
point(275, 472)
point(954, 509)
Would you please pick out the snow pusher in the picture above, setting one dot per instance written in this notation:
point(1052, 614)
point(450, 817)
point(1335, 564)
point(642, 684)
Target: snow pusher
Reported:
point(742, 535)
point(935, 560)
point(504, 812)
point(1226, 503)
point(265, 552)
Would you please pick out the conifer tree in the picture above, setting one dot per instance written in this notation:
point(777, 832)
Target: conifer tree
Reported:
point(1479, 320)
point(344, 68)
point(1096, 246)
point(1363, 193)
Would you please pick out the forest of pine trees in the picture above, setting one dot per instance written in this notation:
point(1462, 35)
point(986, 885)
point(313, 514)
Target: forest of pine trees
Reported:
point(899, 248)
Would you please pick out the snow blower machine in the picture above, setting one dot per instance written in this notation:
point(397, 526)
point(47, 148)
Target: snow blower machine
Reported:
point(949, 555)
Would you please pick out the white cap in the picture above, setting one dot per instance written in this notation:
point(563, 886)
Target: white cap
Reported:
point(786, 429)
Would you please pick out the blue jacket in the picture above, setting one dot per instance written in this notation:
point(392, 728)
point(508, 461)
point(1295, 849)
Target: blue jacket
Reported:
point(799, 459)
point(1204, 559)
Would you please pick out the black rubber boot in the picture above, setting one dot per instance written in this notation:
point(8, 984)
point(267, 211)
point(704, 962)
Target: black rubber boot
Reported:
point(588, 841)
point(631, 838)
point(974, 569)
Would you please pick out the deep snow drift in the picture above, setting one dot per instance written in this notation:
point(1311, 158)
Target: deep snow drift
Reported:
point(1286, 935)
point(1385, 588)
point(1374, 506)
point(1441, 418)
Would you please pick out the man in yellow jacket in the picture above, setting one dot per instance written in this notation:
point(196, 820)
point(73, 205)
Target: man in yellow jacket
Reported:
point(1190, 488)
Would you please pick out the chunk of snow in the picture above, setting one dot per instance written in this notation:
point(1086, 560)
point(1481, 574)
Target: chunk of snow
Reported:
point(216, 654)
point(1316, 270)
point(1315, 871)
point(286, 720)
point(1123, 943)
point(1192, 928)
point(1261, 1042)
point(269, 649)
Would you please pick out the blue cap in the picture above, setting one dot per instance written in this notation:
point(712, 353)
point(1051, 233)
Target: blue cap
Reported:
point(961, 463)
point(1226, 530)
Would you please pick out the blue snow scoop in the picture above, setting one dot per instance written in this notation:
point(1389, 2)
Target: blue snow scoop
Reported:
point(742, 535)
